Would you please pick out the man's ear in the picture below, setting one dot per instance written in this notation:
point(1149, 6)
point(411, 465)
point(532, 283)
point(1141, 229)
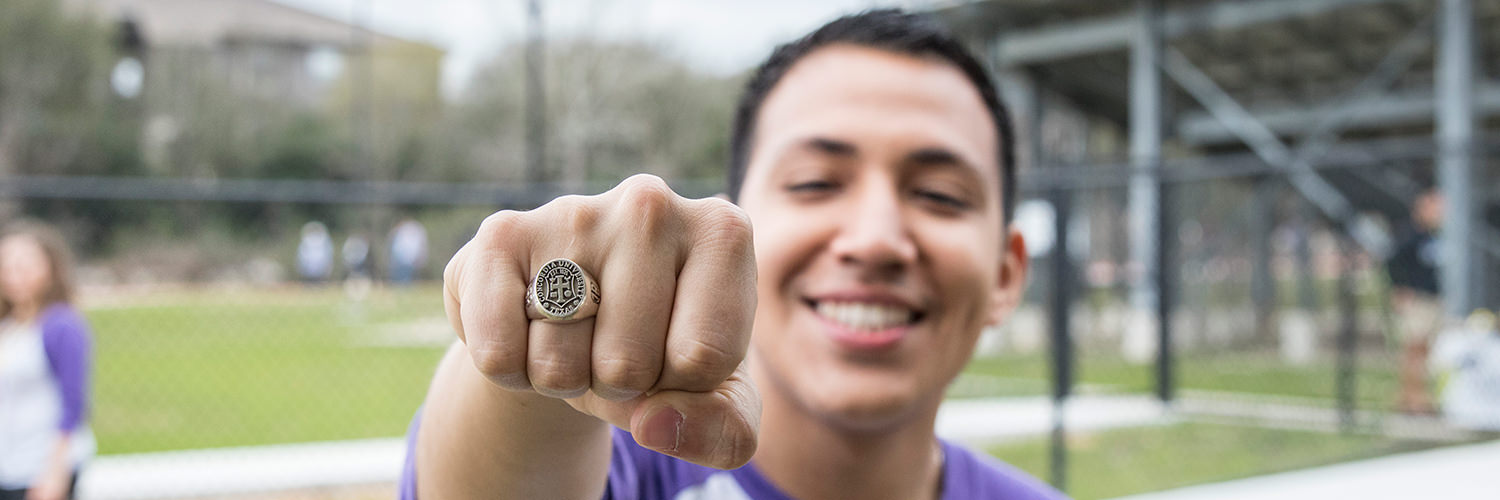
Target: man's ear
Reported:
point(1010, 285)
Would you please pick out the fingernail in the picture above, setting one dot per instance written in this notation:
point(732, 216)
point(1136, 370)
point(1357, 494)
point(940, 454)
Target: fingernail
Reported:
point(662, 430)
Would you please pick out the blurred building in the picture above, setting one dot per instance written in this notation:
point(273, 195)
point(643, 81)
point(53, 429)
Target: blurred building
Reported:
point(261, 47)
point(251, 63)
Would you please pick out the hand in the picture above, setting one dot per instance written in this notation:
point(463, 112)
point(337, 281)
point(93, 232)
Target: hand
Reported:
point(662, 358)
point(50, 485)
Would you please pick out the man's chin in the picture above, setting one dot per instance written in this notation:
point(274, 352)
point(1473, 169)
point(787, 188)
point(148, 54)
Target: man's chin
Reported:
point(869, 409)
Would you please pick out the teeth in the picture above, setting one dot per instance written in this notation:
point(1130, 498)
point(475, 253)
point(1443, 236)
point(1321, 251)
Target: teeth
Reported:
point(864, 317)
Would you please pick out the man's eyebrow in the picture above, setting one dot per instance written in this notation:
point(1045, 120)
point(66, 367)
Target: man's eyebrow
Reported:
point(933, 156)
point(829, 146)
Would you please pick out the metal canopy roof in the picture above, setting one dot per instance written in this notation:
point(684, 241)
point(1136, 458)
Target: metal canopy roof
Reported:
point(1286, 80)
point(1285, 61)
point(1289, 63)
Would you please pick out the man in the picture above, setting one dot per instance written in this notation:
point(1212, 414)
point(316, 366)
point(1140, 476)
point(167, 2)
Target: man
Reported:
point(314, 253)
point(1415, 299)
point(873, 161)
point(408, 250)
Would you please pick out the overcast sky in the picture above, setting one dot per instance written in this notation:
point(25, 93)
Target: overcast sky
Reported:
point(716, 36)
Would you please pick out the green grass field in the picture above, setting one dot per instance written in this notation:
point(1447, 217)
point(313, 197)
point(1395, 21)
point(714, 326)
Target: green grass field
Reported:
point(1238, 372)
point(237, 367)
point(215, 368)
point(1131, 461)
point(233, 367)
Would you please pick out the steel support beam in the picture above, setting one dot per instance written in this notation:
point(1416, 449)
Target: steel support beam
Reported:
point(1117, 32)
point(1412, 107)
point(1255, 134)
point(1145, 186)
point(1326, 129)
point(1321, 135)
point(1145, 151)
point(1460, 264)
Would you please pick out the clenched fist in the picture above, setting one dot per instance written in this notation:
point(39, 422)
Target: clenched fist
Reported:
point(662, 358)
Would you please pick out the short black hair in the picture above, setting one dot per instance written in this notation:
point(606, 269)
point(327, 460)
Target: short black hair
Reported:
point(892, 30)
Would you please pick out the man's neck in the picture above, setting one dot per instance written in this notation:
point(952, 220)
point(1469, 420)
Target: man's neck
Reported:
point(814, 459)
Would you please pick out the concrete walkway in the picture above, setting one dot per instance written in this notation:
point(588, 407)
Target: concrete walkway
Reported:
point(233, 471)
point(1456, 473)
point(265, 469)
point(985, 421)
point(1459, 473)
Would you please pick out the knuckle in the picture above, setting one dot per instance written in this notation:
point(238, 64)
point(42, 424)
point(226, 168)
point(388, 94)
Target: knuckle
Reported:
point(582, 217)
point(703, 361)
point(625, 372)
point(722, 223)
point(649, 198)
point(451, 272)
point(647, 202)
point(497, 362)
point(499, 224)
point(646, 206)
point(557, 374)
point(576, 212)
point(644, 181)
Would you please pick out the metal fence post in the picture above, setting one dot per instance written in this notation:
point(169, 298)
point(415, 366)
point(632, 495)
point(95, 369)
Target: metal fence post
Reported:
point(1348, 339)
point(1062, 336)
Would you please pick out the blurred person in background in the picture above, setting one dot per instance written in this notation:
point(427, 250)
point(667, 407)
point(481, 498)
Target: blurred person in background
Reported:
point(45, 366)
point(356, 255)
point(875, 162)
point(314, 253)
point(408, 250)
point(1415, 299)
point(1466, 361)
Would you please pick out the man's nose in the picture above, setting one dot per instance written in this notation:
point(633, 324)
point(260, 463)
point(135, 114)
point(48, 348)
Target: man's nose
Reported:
point(875, 235)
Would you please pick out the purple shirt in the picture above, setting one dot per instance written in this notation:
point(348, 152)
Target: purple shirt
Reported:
point(636, 473)
point(65, 338)
point(44, 389)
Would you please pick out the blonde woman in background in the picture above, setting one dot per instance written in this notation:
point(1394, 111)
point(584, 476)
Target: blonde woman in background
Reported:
point(45, 366)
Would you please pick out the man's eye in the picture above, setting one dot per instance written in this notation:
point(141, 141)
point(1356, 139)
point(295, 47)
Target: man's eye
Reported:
point(811, 187)
point(943, 199)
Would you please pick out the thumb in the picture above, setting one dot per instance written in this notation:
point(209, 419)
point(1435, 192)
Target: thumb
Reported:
point(719, 428)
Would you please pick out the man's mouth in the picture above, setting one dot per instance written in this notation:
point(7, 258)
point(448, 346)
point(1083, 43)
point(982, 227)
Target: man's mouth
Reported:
point(865, 317)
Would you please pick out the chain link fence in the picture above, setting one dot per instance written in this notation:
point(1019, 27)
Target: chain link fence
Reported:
point(1285, 347)
point(234, 341)
point(266, 338)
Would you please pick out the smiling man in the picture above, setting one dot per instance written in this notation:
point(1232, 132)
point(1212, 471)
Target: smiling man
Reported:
point(795, 344)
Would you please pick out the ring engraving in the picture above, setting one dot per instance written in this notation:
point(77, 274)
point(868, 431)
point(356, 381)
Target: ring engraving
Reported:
point(562, 291)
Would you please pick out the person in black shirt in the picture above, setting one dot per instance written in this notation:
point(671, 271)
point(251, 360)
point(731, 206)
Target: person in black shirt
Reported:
point(1416, 300)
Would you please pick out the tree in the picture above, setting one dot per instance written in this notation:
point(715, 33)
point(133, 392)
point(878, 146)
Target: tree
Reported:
point(613, 109)
point(53, 90)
